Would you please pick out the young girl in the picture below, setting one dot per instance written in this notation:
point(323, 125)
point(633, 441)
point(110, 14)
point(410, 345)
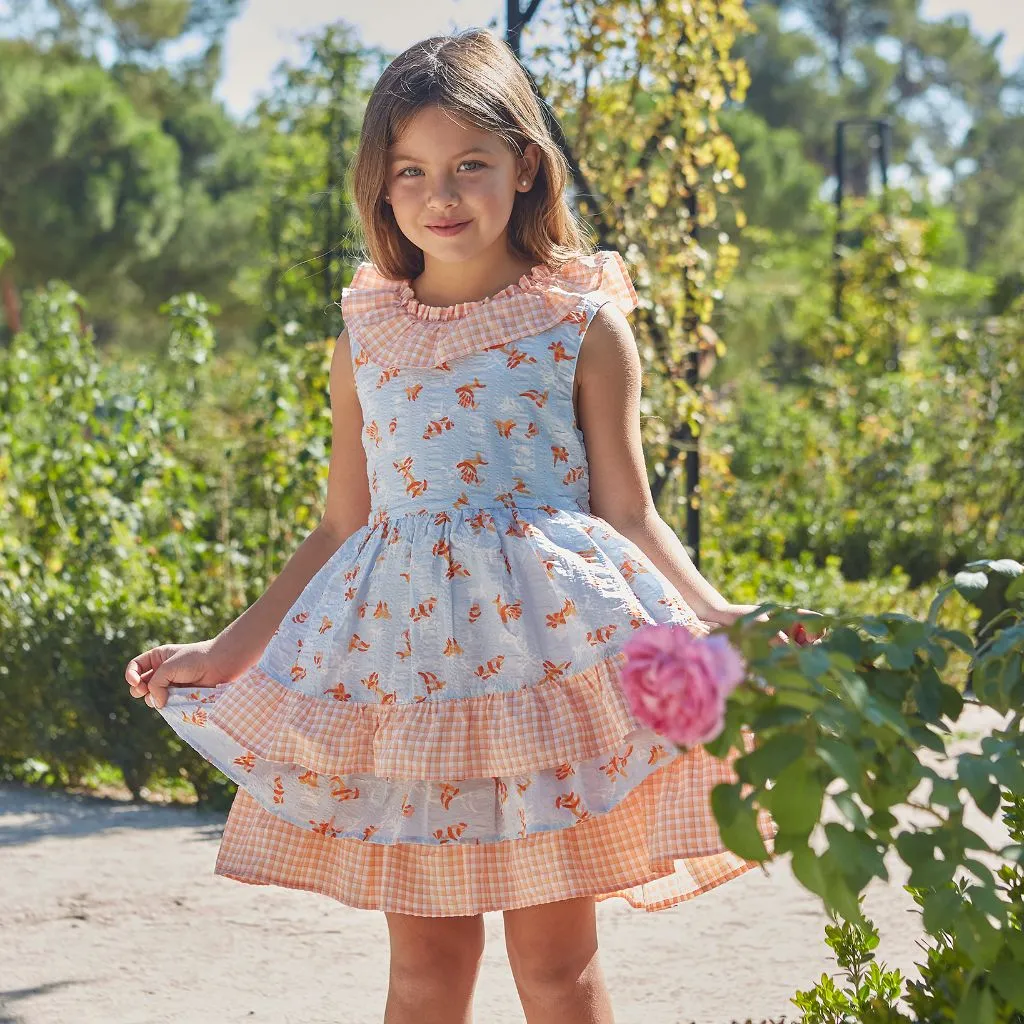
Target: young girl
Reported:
point(423, 713)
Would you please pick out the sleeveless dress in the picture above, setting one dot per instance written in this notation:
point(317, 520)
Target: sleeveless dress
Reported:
point(436, 726)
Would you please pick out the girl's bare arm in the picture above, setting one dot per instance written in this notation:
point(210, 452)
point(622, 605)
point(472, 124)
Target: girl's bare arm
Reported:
point(608, 377)
point(347, 508)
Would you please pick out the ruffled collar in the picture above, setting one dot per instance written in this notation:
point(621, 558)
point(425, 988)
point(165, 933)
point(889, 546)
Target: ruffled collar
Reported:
point(384, 317)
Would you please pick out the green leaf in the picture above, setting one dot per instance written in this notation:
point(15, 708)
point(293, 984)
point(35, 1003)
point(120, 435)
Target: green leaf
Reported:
point(737, 822)
point(940, 909)
point(814, 661)
point(769, 758)
point(796, 798)
point(841, 758)
point(1008, 981)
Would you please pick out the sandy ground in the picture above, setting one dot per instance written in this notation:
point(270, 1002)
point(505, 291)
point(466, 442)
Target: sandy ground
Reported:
point(110, 914)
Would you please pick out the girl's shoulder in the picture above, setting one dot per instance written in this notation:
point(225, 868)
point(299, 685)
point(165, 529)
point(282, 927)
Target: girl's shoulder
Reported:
point(387, 322)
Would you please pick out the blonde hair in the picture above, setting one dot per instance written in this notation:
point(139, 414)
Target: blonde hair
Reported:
point(477, 78)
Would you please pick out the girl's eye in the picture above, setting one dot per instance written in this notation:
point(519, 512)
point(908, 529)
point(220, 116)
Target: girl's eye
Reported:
point(402, 174)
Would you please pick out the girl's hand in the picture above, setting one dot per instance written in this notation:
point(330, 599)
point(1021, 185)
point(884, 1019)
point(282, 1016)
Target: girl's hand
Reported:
point(798, 632)
point(152, 673)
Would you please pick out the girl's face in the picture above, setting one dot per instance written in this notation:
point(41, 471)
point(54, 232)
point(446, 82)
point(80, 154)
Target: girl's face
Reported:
point(443, 172)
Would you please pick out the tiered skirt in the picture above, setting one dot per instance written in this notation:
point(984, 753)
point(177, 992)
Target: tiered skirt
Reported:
point(437, 780)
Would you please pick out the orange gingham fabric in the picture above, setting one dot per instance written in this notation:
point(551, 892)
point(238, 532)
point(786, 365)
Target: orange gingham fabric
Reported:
point(376, 310)
point(564, 719)
point(658, 847)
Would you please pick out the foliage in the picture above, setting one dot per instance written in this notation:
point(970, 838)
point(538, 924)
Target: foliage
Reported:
point(850, 717)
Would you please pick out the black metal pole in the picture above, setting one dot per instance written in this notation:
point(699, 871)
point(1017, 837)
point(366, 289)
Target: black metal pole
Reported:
point(837, 259)
point(693, 380)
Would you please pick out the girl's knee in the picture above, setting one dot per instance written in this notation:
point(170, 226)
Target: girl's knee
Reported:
point(438, 951)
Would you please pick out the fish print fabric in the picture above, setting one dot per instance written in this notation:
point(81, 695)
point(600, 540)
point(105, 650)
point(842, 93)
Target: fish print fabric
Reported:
point(436, 727)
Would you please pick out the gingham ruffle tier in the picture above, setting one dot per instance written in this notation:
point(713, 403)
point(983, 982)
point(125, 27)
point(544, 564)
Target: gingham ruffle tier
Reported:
point(655, 848)
point(395, 329)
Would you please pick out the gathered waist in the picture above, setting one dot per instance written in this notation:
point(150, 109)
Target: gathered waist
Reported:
point(394, 509)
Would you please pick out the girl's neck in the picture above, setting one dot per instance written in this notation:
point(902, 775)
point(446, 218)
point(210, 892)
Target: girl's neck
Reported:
point(447, 284)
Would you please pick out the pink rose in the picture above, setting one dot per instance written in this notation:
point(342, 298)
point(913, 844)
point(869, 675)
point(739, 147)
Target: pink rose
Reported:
point(676, 683)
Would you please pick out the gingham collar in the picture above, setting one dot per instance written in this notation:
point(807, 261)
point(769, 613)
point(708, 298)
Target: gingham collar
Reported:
point(387, 321)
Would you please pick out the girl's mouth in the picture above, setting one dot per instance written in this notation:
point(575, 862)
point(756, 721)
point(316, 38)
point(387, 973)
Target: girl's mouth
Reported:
point(451, 229)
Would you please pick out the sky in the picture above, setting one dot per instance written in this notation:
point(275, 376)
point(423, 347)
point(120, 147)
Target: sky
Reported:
point(267, 31)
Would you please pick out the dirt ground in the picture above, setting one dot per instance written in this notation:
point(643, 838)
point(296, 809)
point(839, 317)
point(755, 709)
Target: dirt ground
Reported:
point(110, 914)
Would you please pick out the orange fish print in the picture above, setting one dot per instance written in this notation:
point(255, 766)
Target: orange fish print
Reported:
point(431, 681)
point(444, 366)
point(339, 692)
point(548, 563)
point(198, 717)
point(572, 803)
point(357, 643)
point(575, 316)
point(437, 427)
point(467, 393)
point(441, 549)
point(407, 649)
point(392, 424)
point(560, 453)
point(522, 823)
point(658, 753)
point(297, 673)
point(325, 625)
point(461, 501)
point(278, 790)
point(407, 808)
point(483, 520)
point(361, 359)
point(452, 647)
point(474, 611)
point(601, 635)
point(324, 828)
point(341, 791)
point(574, 474)
point(423, 609)
point(508, 564)
point(452, 834)
point(629, 569)
point(318, 660)
point(636, 623)
point(517, 357)
point(310, 778)
point(674, 602)
point(373, 432)
point(540, 398)
point(509, 611)
point(369, 831)
point(589, 555)
point(412, 392)
point(441, 518)
point(560, 354)
point(387, 375)
point(248, 761)
point(501, 789)
point(563, 771)
point(550, 509)
point(372, 683)
point(468, 469)
point(505, 427)
point(374, 486)
point(523, 786)
point(532, 430)
point(554, 670)
point(559, 618)
point(456, 569)
point(351, 574)
point(492, 668)
point(302, 616)
point(617, 765)
point(406, 576)
point(382, 611)
point(448, 792)
point(361, 609)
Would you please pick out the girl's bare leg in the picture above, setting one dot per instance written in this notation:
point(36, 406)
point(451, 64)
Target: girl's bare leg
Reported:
point(433, 969)
point(552, 950)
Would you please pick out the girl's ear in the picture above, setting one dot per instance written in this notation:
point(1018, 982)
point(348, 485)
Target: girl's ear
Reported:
point(529, 162)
